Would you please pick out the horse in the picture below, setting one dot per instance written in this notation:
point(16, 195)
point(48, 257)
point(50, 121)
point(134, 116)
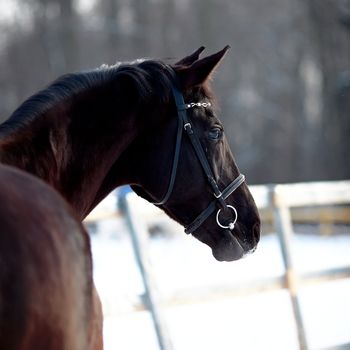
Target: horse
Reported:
point(68, 146)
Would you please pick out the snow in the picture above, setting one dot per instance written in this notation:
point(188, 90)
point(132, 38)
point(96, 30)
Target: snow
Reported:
point(255, 321)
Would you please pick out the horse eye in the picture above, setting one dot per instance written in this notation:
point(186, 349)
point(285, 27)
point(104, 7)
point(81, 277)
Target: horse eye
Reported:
point(215, 133)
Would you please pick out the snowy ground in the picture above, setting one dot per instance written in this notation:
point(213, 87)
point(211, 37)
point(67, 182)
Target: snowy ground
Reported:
point(257, 321)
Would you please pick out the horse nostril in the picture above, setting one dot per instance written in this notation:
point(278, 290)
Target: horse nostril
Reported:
point(256, 233)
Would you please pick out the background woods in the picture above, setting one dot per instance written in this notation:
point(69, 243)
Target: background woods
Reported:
point(284, 89)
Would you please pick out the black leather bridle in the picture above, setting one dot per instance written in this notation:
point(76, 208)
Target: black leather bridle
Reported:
point(184, 123)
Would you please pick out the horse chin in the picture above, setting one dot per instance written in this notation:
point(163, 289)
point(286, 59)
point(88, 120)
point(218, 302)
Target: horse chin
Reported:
point(229, 248)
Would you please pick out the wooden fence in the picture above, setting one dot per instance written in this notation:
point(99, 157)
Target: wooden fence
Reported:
point(278, 200)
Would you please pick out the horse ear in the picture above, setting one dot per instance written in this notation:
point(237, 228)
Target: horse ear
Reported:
point(199, 72)
point(188, 60)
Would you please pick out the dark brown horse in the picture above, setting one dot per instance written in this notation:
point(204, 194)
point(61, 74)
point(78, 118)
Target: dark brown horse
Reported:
point(85, 135)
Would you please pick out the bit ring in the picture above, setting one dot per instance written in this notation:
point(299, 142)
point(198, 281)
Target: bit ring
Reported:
point(231, 225)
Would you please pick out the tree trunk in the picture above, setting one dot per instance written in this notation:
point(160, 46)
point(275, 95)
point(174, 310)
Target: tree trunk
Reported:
point(330, 40)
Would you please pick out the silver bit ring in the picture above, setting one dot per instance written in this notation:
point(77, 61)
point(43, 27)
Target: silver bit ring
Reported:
point(231, 225)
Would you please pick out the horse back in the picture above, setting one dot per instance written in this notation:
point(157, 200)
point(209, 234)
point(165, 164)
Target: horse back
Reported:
point(46, 288)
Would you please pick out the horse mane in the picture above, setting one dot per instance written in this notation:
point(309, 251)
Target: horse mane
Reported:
point(149, 77)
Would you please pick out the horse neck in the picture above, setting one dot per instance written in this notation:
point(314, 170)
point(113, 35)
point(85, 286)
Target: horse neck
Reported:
point(72, 148)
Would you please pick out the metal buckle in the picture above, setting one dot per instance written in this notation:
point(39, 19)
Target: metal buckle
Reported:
point(231, 225)
point(188, 128)
point(217, 196)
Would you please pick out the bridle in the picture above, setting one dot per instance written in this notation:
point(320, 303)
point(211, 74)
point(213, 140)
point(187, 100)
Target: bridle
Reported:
point(184, 123)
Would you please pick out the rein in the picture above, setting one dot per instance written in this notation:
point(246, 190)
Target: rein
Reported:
point(184, 123)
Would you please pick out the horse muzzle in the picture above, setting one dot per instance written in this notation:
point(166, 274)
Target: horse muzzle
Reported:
point(231, 248)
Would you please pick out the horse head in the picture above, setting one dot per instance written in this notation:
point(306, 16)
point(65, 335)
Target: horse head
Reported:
point(195, 179)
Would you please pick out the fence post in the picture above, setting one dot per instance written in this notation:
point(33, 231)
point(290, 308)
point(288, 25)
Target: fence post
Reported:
point(283, 225)
point(139, 238)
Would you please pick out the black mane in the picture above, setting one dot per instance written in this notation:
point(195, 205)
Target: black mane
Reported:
point(149, 77)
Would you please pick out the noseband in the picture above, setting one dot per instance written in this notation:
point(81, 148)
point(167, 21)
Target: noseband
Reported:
point(184, 123)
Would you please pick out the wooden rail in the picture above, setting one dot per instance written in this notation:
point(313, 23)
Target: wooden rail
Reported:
point(283, 197)
point(275, 200)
